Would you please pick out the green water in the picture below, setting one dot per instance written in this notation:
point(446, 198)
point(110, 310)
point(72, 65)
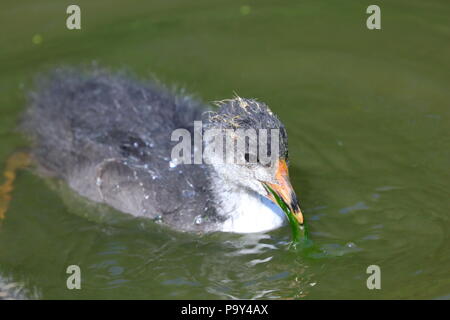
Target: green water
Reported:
point(368, 119)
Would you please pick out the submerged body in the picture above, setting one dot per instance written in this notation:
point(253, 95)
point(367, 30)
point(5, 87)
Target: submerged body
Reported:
point(108, 136)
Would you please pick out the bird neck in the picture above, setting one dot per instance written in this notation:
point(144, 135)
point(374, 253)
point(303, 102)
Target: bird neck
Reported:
point(243, 210)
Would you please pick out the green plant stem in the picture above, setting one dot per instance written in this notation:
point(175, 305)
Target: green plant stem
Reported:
point(298, 231)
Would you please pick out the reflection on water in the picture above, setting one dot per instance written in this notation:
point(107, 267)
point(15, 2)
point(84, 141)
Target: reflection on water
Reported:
point(367, 117)
point(10, 290)
point(144, 260)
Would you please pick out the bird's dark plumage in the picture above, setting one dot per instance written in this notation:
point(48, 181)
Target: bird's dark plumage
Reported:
point(108, 136)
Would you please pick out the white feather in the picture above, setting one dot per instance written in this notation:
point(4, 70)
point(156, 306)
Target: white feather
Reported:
point(249, 212)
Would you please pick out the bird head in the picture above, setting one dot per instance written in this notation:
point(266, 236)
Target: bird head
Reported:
point(253, 149)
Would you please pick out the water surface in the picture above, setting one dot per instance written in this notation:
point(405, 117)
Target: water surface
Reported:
point(367, 114)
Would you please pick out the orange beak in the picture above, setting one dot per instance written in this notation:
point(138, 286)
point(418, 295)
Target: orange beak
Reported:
point(284, 189)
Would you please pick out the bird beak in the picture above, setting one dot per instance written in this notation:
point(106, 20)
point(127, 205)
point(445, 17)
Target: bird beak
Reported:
point(285, 191)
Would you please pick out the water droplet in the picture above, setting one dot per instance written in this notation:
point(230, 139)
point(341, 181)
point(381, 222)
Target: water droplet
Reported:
point(135, 144)
point(188, 193)
point(198, 220)
point(351, 245)
point(146, 197)
point(99, 181)
point(173, 163)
